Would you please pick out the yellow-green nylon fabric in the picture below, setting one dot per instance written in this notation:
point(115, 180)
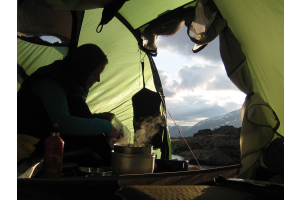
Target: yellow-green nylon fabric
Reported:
point(259, 27)
point(33, 56)
point(145, 10)
point(122, 77)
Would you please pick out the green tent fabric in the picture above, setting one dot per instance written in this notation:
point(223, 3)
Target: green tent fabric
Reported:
point(122, 77)
point(257, 25)
point(259, 28)
point(259, 73)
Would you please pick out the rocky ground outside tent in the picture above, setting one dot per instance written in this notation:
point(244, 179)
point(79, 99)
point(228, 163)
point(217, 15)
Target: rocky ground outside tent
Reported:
point(218, 147)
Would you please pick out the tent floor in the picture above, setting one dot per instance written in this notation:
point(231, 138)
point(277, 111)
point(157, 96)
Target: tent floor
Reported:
point(105, 187)
point(182, 192)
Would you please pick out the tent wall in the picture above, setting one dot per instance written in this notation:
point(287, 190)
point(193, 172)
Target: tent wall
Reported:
point(123, 75)
point(33, 56)
point(259, 28)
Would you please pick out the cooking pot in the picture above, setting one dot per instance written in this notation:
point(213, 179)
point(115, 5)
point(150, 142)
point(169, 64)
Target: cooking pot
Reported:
point(125, 163)
point(133, 150)
point(132, 160)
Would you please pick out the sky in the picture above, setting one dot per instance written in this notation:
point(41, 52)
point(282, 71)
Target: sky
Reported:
point(195, 85)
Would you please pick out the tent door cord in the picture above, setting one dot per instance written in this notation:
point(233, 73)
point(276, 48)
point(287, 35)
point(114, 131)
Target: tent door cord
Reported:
point(184, 138)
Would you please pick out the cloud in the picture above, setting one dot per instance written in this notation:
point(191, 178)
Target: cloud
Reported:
point(193, 77)
point(230, 106)
point(208, 77)
point(200, 91)
point(221, 82)
point(187, 107)
point(188, 113)
point(190, 109)
point(169, 93)
point(165, 78)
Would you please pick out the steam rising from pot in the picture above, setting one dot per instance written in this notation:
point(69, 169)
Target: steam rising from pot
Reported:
point(148, 128)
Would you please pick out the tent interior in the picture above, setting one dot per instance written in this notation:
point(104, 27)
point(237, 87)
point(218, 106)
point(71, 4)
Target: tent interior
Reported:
point(251, 46)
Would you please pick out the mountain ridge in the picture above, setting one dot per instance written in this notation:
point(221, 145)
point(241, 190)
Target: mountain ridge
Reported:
point(232, 118)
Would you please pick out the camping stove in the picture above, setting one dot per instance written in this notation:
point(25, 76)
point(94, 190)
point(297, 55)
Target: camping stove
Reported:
point(132, 160)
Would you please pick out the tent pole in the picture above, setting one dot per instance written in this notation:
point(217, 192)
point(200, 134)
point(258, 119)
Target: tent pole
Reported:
point(77, 18)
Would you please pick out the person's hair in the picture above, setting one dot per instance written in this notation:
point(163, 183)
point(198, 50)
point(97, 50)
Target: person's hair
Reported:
point(104, 61)
point(84, 60)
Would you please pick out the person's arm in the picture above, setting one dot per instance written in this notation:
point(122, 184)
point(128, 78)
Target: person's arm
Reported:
point(106, 115)
point(55, 102)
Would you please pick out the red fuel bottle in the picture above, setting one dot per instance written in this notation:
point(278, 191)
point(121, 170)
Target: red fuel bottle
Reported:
point(54, 147)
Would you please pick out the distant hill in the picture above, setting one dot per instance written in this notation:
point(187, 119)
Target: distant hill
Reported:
point(233, 118)
point(175, 133)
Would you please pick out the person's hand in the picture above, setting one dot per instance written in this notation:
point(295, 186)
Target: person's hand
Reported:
point(108, 116)
point(114, 136)
point(115, 133)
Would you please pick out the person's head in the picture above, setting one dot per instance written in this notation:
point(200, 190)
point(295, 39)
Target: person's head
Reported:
point(95, 75)
point(86, 63)
point(74, 71)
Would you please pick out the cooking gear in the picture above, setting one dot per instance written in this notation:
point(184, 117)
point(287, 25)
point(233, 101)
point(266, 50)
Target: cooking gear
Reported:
point(126, 163)
point(133, 150)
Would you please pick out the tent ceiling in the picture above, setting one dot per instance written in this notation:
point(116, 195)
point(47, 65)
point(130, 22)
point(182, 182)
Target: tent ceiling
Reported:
point(133, 10)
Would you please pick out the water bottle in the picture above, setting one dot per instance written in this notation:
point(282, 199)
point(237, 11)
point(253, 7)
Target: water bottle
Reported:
point(54, 147)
